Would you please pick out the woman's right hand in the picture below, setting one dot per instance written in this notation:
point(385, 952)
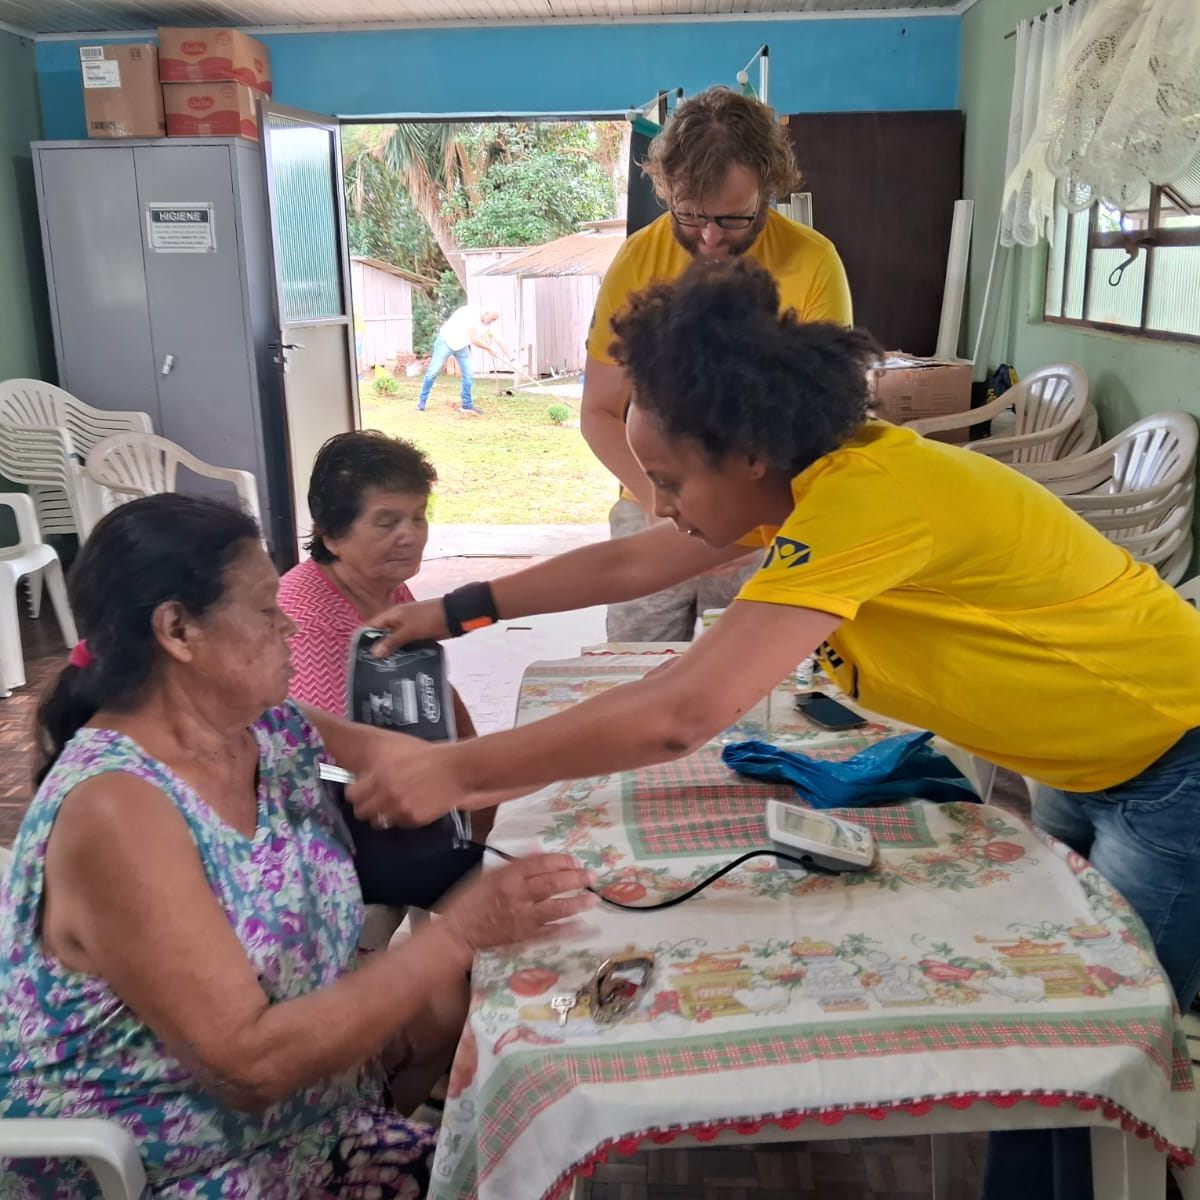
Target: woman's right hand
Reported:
point(413, 622)
point(518, 902)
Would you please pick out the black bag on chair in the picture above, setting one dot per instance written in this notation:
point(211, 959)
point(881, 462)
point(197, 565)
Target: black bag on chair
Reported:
point(408, 691)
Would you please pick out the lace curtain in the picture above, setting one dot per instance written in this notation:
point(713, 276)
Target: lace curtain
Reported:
point(1106, 98)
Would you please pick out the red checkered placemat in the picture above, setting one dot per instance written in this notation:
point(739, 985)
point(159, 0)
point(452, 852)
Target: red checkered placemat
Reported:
point(697, 805)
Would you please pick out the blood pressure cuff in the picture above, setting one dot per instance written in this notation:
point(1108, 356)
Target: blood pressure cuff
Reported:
point(403, 867)
point(898, 768)
point(407, 691)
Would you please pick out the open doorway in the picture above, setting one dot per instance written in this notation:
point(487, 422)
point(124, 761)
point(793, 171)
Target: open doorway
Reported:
point(516, 217)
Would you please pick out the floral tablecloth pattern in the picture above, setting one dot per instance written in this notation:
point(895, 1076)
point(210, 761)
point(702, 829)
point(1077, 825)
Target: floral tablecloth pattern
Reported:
point(976, 963)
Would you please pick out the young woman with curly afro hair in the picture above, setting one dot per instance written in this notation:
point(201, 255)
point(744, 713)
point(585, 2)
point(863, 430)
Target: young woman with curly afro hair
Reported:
point(937, 586)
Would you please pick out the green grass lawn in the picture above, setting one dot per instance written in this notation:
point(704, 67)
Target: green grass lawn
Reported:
point(511, 465)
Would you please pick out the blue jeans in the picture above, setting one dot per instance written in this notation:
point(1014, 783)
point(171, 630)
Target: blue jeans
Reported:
point(441, 353)
point(1143, 836)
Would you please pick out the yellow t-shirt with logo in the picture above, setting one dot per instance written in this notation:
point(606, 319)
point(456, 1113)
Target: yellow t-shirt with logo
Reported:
point(976, 604)
point(802, 261)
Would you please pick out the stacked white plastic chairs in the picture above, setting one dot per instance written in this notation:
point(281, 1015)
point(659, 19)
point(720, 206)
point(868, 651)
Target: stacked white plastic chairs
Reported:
point(1138, 489)
point(1043, 418)
point(45, 436)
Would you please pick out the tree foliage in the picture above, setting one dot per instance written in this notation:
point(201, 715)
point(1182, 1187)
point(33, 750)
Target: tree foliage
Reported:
point(419, 192)
point(539, 181)
point(430, 161)
point(384, 224)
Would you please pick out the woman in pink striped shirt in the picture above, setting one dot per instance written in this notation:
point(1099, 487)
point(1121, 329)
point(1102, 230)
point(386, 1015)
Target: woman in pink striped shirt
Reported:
point(368, 497)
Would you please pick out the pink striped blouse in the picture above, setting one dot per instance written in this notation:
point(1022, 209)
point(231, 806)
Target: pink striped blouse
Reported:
point(321, 646)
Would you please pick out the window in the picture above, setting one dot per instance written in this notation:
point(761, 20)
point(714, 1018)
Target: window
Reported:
point(1137, 271)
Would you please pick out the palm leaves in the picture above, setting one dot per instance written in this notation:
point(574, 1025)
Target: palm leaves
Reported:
point(433, 163)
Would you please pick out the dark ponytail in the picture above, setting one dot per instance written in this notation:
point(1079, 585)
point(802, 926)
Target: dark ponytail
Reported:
point(146, 553)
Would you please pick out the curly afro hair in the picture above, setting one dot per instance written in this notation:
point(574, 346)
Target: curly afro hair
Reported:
point(712, 358)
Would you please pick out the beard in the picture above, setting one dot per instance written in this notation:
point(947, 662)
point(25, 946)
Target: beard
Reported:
point(737, 245)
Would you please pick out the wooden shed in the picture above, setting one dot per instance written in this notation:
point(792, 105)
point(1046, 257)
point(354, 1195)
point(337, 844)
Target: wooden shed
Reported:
point(545, 295)
point(383, 309)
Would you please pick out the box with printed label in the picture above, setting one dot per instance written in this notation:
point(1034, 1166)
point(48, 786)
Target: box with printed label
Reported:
point(122, 97)
point(211, 110)
point(905, 387)
point(195, 55)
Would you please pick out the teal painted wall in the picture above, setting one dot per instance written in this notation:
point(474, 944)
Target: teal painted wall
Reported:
point(26, 348)
point(826, 65)
point(1130, 377)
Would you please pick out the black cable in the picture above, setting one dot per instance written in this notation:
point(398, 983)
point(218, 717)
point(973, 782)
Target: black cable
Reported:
point(805, 862)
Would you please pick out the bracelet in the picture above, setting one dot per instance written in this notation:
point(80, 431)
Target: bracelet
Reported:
point(469, 607)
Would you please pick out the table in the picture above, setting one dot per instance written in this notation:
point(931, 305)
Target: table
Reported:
point(980, 976)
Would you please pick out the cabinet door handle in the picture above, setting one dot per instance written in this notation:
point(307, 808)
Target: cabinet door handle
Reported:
point(168, 363)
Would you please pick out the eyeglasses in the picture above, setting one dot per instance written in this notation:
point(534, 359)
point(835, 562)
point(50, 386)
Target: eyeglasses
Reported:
point(694, 220)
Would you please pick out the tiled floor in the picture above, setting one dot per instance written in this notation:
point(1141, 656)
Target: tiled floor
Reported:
point(487, 669)
point(895, 1168)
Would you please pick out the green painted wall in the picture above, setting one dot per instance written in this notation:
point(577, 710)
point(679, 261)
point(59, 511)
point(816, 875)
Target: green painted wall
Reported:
point(26, 348)
point(1130, 377)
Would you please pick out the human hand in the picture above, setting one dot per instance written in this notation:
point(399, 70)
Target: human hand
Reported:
point(404, 781)
point(519, 902)
point(404, 623)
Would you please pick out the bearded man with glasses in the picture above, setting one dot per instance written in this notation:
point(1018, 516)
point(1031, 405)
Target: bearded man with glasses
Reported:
point(719, 164)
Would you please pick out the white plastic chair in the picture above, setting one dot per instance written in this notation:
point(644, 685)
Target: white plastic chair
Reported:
point(33, 404)
point(1138, 489)
point(1048, 404)
point(144, 464)
point(33, 560)
point(108, 1149)
point(42, 458)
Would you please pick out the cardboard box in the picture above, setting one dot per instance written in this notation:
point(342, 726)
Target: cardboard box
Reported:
point(204, 55)
point(905, 387)
point(211, 110)
point(122, 97)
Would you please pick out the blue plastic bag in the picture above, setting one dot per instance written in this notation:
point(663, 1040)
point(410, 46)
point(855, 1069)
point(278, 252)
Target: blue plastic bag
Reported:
point(897, 768)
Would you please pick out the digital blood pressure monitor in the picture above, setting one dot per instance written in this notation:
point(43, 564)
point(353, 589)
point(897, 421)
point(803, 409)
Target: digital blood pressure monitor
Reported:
point(830, 843)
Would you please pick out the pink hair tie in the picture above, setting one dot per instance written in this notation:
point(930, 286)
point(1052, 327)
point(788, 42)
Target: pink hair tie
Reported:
point(81, 656)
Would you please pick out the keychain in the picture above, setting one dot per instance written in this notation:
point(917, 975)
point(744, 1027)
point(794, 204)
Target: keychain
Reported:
point(613, 990)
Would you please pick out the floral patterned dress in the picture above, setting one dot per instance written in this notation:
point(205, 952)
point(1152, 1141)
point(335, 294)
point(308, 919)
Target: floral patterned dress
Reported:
point(70, 1047)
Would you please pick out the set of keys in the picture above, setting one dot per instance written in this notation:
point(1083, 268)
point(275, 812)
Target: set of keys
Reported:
point(613, 990)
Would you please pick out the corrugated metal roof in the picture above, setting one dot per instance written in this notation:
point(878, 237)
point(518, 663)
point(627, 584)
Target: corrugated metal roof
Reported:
point(589, 252)
point(399, 272)
point(87, 16)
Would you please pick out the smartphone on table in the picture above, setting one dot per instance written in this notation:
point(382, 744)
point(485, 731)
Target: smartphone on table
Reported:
point(827, 713)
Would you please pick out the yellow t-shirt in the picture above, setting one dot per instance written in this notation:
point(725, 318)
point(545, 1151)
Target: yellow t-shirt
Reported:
point(977, 605)
point(803, 262)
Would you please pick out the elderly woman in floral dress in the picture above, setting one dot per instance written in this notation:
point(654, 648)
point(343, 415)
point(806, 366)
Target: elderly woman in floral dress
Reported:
point(180, 921)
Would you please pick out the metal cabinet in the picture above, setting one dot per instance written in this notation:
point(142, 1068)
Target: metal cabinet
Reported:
point(158, 262)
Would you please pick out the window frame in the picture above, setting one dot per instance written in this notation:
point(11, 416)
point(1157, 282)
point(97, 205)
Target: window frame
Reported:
point(1149, 239)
